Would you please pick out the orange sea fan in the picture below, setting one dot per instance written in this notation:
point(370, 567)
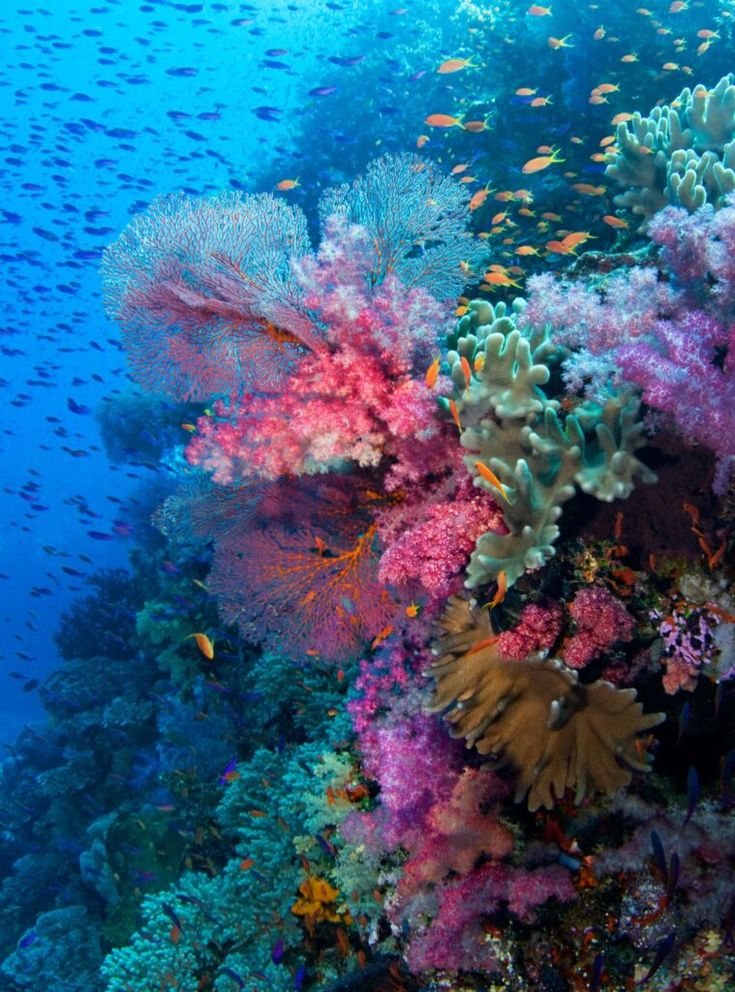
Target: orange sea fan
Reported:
point(535, 715)
point(304, 590)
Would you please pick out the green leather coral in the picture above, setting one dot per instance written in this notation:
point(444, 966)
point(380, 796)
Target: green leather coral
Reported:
point(682, 154)
point(536, 451)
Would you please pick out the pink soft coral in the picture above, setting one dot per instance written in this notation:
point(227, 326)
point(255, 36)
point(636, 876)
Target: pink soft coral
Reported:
point(433, 550)
point(601, 620)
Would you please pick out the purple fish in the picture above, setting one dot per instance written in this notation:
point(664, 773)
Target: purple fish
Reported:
point(98, 535)
point(277, 952)
point(692, 793)
point(663, 948)
point(27, 939)
point(298, 978)
point(323, 91)
point(598, 966)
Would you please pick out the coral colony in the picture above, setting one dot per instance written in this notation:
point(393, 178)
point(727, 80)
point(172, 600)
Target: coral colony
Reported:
point(460, 535)
point(373, 474)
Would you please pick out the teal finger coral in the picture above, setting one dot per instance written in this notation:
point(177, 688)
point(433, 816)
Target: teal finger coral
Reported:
point(536, 453)
point(682, 154)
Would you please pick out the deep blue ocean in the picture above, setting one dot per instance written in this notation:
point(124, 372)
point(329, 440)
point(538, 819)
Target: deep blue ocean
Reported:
point(367, 363)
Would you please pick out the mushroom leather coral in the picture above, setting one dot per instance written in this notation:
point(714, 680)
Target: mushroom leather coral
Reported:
point(534, 714)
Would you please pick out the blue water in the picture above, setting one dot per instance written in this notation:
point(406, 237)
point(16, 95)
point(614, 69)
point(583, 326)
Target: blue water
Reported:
point(133, 769)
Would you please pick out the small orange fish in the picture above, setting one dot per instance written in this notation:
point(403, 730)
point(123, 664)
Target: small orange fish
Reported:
point(191, 428)
point(460, 168)
point(678, 6)
point(631, 57)
point(443, 120)
point(466, 371)
point(556, 43)
point(621, 118)
point(536, 11)
point(455, 65)
point(500, 591)
point(204, 644)
point(559, 248)
point(175, 934)
point(499, 279)
point(286, 184)
point(246, 863)
point(455, 415)
point(608, 88)
point(589, 190)
point(541, 101)
point(526, 250)
point(421, 140)
point(412, 610)
point(432, 373)
point(707, 33)
point(541, 162)
point(489, 476)
point(474, 127)
point(526, 91)
point(380, 637)
point(614, 221)
point(342, 941)
point(599, 33)
point(479, 198)
point(479, 363)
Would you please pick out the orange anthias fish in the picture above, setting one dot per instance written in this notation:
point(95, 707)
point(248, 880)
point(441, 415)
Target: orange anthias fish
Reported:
point(455, 415)
point(286, 184)
point(489, 476)
point(500, 591)
point(432, 373)
point(614, 221)
point(541, 162)
point(204, 644)
point(499, 279)
point(559, 42)
point(455, 65)
point(443, 120)
point(536, 11)
point(479, 198)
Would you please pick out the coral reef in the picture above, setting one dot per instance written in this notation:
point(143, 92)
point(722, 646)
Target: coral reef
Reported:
point(682, 154)
point(535, 714)
point(536, 453)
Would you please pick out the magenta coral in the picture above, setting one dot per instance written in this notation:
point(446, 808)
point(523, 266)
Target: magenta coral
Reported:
point(601, 620)
point(538, 629)
point(434, 549)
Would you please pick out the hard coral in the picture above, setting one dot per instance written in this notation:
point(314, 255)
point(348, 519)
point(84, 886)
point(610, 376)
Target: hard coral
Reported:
point(682, 154)
point(535, 715)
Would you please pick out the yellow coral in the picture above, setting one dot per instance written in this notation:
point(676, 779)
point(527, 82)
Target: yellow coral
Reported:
point(317, 902)
point(535, 715)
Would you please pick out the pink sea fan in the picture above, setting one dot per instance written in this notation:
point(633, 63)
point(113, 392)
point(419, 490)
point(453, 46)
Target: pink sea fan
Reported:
point(305, 570)
point(601, 620)
point(206, 296)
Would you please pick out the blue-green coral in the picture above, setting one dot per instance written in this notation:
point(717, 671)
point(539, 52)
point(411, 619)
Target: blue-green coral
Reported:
point(538, 452)
point(681, 154)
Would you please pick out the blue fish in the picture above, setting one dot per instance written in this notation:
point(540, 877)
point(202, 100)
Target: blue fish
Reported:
point(277, 952)
point(663, 949)
point(692, 793)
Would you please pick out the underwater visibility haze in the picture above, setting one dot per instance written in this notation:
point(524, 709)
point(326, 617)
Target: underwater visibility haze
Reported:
point(369, 496)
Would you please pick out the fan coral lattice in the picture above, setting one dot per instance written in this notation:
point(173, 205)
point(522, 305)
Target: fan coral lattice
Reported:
point(535, 714)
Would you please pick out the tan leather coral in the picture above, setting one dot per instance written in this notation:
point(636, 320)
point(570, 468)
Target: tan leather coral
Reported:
point(534, 714)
